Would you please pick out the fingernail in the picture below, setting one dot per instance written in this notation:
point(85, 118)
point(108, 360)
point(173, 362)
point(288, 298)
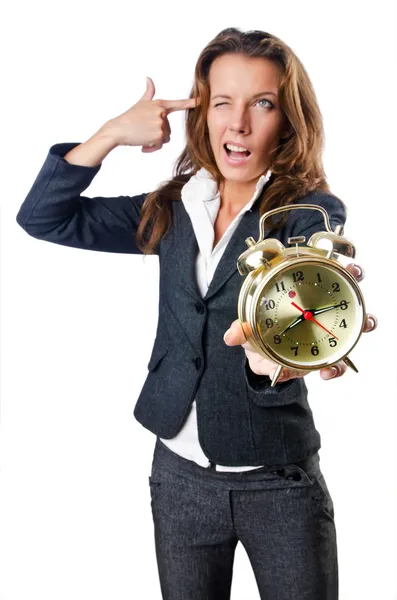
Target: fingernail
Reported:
point(332, 372)
point(226, 335)
point(358, 271)
point(372, 323)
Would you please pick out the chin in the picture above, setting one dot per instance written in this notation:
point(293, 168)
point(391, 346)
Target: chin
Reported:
point(240, 174)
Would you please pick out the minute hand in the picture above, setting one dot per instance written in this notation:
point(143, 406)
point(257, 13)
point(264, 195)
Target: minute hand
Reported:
point(317, 311)
point(309, 316)
point(300, 319)
point(313, 311)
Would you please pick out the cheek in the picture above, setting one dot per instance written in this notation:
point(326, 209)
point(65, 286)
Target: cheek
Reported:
point(215, 124)
point(214, 135)
point(268, 137)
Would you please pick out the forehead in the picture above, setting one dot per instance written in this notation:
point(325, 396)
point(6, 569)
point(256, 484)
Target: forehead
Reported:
point(236, 72)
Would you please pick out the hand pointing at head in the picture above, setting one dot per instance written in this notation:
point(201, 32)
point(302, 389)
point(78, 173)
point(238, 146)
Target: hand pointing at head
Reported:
point(146, 122)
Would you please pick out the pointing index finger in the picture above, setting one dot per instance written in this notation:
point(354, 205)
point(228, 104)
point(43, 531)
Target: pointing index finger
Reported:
point(174, 105)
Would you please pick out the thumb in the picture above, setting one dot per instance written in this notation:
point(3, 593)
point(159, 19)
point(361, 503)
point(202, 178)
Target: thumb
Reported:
point(150, 90)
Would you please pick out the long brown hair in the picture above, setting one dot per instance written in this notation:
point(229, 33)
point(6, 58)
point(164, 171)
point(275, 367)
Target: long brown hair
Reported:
point(296, 163)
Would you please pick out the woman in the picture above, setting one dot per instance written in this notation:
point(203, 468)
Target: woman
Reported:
point(235, 459)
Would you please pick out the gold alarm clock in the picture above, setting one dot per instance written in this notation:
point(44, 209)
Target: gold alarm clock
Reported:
point(298, 305)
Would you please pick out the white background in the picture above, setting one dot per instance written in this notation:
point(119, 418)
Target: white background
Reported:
point(77, 327)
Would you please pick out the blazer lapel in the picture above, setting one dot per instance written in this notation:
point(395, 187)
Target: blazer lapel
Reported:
point(187, 248)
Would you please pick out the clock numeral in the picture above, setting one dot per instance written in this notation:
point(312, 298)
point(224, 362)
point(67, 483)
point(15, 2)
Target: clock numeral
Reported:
point(315, 350)
point(298, 276)
point(269, 304)
point(343, 304)
point(277, 339)
point(269, 323)
point(336, 287)
point(281, 285)
point(295, 349)
point(343, 323)
point(332, 342)
point(319, 278)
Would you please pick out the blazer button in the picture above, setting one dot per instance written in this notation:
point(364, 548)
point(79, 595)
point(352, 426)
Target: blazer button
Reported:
point(199, 308)
point(197, 362)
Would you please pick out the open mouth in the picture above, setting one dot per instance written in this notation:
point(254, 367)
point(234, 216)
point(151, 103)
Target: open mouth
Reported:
point(235, 152)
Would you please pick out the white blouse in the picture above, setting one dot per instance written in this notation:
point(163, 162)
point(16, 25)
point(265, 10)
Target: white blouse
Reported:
point(201, 199)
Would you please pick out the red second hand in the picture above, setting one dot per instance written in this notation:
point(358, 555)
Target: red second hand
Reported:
point(309, 317)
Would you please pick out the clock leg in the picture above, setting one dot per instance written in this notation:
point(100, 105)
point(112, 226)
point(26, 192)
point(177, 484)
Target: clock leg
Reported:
point(276, 375)
point(350, 364)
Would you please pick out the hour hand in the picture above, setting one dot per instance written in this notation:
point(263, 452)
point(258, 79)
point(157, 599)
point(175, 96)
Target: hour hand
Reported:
point(293, 324)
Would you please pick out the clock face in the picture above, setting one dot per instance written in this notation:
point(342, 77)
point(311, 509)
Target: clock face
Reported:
point(309, 315)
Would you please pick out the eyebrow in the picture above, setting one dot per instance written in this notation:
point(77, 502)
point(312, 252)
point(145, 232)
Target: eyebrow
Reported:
point(253, 97)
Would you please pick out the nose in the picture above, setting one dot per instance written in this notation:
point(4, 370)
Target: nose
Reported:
point(239, 121)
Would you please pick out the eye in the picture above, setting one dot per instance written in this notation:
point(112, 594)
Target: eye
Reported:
point(266, 100)
point(220, 104)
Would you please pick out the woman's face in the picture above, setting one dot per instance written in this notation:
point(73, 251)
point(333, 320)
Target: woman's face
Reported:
point(244, 111)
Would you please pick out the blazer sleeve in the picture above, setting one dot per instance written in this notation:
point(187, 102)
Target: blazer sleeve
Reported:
point(300, 222)
point(56, 211)
point(307, 222)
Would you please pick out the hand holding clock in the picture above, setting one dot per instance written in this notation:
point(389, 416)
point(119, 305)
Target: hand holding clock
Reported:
point(263, 366)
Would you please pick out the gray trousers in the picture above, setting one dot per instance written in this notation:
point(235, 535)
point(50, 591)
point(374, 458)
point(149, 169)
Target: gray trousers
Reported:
point(283, 516)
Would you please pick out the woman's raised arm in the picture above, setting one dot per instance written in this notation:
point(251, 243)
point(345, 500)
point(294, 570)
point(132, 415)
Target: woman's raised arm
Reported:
point(55, 210)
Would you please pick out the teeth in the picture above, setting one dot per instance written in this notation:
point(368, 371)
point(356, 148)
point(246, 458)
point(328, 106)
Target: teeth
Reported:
point(235, 148)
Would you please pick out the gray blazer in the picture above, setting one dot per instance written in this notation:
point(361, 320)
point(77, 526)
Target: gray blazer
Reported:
point(241, 419)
